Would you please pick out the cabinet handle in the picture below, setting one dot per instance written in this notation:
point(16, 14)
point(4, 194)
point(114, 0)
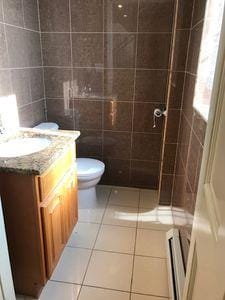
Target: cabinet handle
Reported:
point(56, 203)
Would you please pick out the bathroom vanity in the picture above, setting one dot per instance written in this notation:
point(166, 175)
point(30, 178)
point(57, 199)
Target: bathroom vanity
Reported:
point(39, 198)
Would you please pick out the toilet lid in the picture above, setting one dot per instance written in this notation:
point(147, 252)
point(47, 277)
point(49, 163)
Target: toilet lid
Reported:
point(88, 166)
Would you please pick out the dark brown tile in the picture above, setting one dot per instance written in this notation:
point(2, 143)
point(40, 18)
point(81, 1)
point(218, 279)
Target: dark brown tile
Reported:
point(26, 118)
point(17, 47)
point(116, 145)
point(146, 146)
point(21, 86)
point(120, 16)
point(194, 48)
point(36, 83)
point(119, 50)
point(172, 126)
point(178, 192)
point(169, 158)
point(3, 49)
point(119, 84)
point(184, 139)
point(89, 143)
point(153, 51)
point(88, 83)
point(199, 11)
point(189, 89)
point(5, 83)
point(87, 15)
point(13, 12)
point(144, 174)
point(143, 118)
point(56, 112)
point(54, 15)
point(156, 16)
point(116, 172)
point(57, 82)
point(180, 50)
point(30, 10)
point(199, 127)
point(87, 49)
point(192, 162)
point(166, 190)
point(176, 92)
point(87, 114)
point(38, 109)
point(184, 14)
point(118, 116)
point(179, 163)
point(56, 49)
point(189, 199)
point(151, 86)
point(33, 48)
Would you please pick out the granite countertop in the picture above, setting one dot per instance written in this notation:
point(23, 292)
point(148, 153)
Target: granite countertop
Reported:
point(37, 163)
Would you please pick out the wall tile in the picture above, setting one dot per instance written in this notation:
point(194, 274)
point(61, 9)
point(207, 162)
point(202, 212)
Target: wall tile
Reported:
point(172, 125)
point(17, 47)
point(166, 189)
point(169, 158)
point(33, 48)
point(89, 143)
point(87, 15)
point(143, 118)
point(13, 12)
point(199, 127)
point(87, 114)
point(5, 83)
point(88, 83)
point(184, 14)
point(144, 174)
point(122, 19)
point(30, 9)
point(176, 92)
point(57, 112)
point(57, 82)
point(146, 146)
point(199, 11)
point(54, 15)
point(151, 85)
point(1, 11)
point(195, 42)
point(156, 16)
point(26, 118)
point(116, 172)
point(179, 191)
point(118, 116)
point(38, 109)
point(21, 86)
point(119, 84)
point(116, 145)
point(36, 83)
point(119, 50)
point(184, 138)
point(153, 51)
point(87, 49)
point(180, 50)
point(3, 48)
point(56, 49)
point(189, 89)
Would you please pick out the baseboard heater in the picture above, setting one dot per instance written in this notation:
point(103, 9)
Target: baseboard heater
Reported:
point(176, 270)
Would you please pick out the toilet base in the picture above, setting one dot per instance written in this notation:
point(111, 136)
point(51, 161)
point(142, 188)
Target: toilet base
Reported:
point(87, 194)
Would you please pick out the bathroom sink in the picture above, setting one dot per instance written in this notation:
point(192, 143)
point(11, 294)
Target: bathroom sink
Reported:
point(23, 146)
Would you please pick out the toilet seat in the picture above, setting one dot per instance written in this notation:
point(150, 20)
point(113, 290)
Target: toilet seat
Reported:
point(89, 168)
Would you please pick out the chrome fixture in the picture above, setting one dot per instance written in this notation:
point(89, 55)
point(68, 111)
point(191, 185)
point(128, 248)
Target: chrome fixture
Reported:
point(158, 113)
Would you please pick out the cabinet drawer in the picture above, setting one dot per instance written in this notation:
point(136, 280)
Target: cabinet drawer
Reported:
point(49, 180)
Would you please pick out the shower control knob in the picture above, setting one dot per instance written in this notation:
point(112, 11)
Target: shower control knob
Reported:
point(158, 113)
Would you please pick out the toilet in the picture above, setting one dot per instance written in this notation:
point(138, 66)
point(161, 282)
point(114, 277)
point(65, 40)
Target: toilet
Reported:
point(89, 171)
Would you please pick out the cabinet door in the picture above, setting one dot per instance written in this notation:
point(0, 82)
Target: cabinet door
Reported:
point(53, 230)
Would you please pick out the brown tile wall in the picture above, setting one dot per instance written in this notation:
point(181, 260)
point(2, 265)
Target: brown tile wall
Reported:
point(184, 135)
point(106, 70)
point(21, 72)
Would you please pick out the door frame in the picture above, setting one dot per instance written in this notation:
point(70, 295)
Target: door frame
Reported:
point(215, 116)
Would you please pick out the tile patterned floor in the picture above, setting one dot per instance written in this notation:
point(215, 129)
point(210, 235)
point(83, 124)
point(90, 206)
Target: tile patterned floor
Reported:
point(117, 251)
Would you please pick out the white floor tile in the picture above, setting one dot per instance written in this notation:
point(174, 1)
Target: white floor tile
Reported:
point(88, 293)
point(116, 239)
point(72, 265)
point(110, 270)
point(144, 297)
point(155, 218)
point(124, 197)
point(84, 235)
point(59, 291)
point(150, 276)
point(121, 215)
point(103, 192)
point(148, 198)
point(91, 210)
point(151, 243)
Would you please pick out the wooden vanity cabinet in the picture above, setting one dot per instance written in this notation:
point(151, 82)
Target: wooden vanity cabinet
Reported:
point(40, 213)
